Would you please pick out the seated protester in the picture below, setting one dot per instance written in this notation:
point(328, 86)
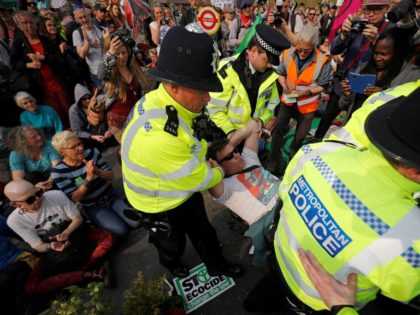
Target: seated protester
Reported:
point(92, 135)
point(248, 189)
point(38, 116)
point(32, 156)
point(52, 225)
point(86, 179)
point(15, 267)
point(388, 57)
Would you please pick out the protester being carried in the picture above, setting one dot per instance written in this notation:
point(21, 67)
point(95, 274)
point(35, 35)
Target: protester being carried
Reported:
point(32, 156)
point(38, 116)
point(248, 189)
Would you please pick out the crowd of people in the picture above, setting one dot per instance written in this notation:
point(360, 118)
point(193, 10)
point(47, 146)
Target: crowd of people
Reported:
point(188, 112)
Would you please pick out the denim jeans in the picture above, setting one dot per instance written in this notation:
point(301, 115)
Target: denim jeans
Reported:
point(104, 217)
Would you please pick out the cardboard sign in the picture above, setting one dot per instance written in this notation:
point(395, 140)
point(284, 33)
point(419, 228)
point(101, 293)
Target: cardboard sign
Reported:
point(209, 19)
point(199, 288)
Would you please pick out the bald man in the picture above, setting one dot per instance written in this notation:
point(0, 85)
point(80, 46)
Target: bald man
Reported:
point(43, 220)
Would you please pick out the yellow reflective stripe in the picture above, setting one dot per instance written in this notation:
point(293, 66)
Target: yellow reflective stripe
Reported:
point(405, 233)
point(293, 243)
point(382, 96)
point(185, 170)
point(218, 102)
point(305, 101)
point(238, 110)
point(131, 134)
point(156, 193)
point(343, 134)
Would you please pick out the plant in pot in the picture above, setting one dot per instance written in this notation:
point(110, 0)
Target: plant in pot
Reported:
point(154, 297)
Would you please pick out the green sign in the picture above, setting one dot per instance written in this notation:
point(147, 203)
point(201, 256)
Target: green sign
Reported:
point(199, 288)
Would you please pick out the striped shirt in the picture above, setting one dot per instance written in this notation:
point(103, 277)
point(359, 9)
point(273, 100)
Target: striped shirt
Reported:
point(69, 178)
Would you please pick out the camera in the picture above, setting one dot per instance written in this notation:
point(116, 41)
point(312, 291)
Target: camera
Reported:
point(358, 25)
point(278, 18)
point(164, 22)
point(125, 36)
point(401, 10)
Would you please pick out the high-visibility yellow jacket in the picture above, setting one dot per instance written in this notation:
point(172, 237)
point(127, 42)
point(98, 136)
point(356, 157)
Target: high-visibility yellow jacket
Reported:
point(356, 213)
point(231, 108)
point(354, 131)
point(163, 169)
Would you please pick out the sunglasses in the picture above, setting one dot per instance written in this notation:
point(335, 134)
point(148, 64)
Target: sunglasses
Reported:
point(31, 199)
point(30, 3)
point(85, 98)
point(229, 156)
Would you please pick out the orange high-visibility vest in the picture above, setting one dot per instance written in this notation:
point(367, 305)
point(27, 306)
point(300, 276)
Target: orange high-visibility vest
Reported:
point(308, 78)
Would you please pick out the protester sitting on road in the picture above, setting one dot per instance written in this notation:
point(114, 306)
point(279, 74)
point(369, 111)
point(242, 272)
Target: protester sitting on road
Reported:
point(85, 178)
point(248, 189)
point(39, 116)
point(32, 156)
point(52, 225)
point(92, 135)
point(125, 83)
point(15, 267)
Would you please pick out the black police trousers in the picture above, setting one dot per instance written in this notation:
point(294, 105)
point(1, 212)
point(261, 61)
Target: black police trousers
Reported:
point(168, 230)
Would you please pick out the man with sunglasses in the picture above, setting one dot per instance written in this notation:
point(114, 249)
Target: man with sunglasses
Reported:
point(249, 82)
point(248, 189)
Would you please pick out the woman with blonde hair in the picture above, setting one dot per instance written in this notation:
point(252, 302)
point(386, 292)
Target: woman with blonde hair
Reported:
point(125, 84)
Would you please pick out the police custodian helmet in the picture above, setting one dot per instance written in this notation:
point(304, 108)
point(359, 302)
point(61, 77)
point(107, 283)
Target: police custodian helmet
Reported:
point(395, 129)
point(188, 59)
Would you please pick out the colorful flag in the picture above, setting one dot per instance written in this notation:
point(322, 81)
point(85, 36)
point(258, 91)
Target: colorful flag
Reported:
point(348, 7)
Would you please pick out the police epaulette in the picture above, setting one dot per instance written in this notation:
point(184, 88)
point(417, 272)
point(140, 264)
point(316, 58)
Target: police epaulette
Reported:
point(171, 125)
point(222, 70)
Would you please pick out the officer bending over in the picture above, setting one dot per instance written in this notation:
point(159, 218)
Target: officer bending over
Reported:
point(355, 209)
point(163, 164)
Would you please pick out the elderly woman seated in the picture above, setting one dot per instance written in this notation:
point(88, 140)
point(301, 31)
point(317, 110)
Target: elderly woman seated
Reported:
point(38, 116)
point(86, 179)
point(52, 225)
point(32, 156)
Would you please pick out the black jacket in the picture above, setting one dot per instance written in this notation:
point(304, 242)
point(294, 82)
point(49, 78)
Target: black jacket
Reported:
point(53, 57)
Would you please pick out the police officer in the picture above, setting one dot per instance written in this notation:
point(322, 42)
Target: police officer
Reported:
point(249, 82)
point(356, 209)
point(163, 164)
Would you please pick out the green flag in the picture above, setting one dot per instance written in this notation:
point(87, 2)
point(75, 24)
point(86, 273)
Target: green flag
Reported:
point(248, 35)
